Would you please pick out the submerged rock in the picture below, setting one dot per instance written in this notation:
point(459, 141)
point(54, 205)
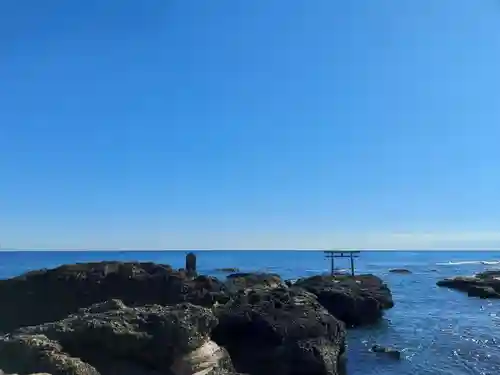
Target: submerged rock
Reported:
point(484, 285)
point(390, 352)
point(48, 295)
point(280, 331)
point(400, 270)
point(107, 338)
point(355, 300)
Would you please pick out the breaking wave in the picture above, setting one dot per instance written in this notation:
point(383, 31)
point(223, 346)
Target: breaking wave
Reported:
point(486, 262)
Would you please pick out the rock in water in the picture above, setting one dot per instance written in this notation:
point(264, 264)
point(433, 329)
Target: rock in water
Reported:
point(400, 271)
point(109, 337)
point(49, 295)
point(484, 285)
point(280, 331)
point(355, 300)
point(390, 352)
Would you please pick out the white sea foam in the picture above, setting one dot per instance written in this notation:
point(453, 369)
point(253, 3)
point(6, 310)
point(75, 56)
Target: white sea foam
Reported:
point(466, 262)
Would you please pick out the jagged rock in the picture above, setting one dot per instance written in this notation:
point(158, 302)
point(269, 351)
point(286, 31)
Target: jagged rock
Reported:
point(109, 337)
point(239, 281)
point(484, 285)
point(280, 331)
point(48, 295)
point(26, 354)
point(355, 300)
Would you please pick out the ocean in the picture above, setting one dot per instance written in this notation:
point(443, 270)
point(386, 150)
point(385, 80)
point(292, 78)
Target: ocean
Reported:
point(440, 331)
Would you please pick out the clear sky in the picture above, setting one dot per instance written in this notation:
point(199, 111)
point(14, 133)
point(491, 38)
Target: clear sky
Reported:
point(249, 124)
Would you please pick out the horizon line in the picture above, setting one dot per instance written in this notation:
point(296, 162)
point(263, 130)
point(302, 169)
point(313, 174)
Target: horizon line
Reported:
point(239, 249)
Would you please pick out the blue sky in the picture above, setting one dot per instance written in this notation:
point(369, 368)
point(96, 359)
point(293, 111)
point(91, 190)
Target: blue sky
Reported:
point(249, 124)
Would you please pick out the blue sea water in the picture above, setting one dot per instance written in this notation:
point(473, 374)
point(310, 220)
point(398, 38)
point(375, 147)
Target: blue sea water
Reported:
point(441, 332)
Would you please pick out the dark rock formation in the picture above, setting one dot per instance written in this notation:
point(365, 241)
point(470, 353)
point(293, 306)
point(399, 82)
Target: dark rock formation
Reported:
point(239, 281)
point(49, 295)
point(400, 270)
point(114, 318)
point(108, 338)
point(280, 331)
point(355, 300)
point(484, 285)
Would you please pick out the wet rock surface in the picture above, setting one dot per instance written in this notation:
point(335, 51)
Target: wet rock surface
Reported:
point(483, 285)
point(280, 331)
point(355, 300)
point(109, 337)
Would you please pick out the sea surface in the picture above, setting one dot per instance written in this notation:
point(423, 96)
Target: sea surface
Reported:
point(440, 331)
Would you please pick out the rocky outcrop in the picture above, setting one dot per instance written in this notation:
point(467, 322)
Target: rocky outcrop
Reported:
point(280, 331)
point(484, 285)
point(355, 300)
point(253, 280)
point(49, 295)
point(110, 338)
point(114, 318)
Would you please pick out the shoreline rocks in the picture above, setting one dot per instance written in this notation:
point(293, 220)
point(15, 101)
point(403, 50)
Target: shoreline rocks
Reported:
point(105, 337)
point(51, 294)
point(483, 285)
point(280, 331)
point(355, 300)
point(141, 318)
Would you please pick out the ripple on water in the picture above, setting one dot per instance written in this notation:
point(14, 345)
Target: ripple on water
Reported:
point(440, 332)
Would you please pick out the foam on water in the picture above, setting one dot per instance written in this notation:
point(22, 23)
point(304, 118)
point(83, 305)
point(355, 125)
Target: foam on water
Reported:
point(459, 263)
